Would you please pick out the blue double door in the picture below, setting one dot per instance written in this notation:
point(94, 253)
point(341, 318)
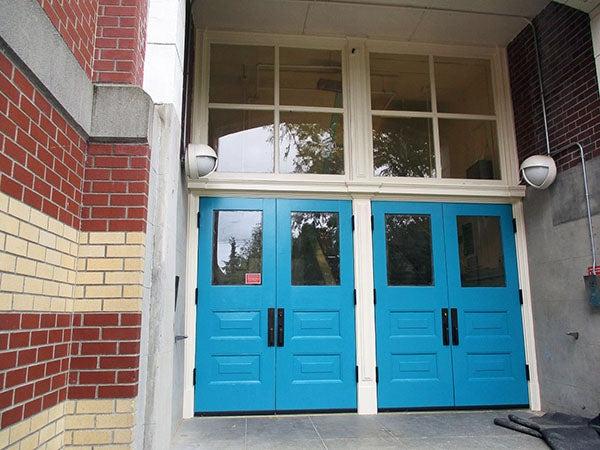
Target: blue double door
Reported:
point(448, 315)
point(275, 309)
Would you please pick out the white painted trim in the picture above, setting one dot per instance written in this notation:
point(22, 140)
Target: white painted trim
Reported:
point(527, 308)
point(191, 277)
point(365, 309)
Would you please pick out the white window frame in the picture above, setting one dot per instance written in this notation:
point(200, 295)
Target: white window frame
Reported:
point(359, 177)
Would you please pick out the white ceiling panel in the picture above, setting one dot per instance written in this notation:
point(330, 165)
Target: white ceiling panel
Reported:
point(585, 5)
point(367, 21)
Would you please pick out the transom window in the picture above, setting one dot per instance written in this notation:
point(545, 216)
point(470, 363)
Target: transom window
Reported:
point(276, 109)
point(433, 117)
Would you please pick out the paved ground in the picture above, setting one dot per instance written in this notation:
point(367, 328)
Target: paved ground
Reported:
point(440, 430)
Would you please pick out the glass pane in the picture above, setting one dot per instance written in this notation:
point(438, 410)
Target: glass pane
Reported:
point(241, 74)
point(311, 143)
point(237, 247)
point(310, 77)
point(315, 248)
point(400, 82)
point(480, 251)
point(408, 250)
point(469, 149)
point(464, 86)
point(403, 147)
point(242, 139)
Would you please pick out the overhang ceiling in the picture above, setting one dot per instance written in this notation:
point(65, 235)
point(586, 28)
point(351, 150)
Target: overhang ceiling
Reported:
point(468, 22)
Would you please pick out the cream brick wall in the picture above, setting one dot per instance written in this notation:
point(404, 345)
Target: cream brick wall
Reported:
point(44, 431)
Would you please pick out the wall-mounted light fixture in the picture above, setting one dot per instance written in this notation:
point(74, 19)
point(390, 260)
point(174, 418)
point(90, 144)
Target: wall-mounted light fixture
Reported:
point(200, 160)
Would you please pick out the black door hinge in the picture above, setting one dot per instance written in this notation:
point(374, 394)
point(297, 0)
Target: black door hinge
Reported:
point(376, 374)
point(198, 220)
point(372, 222)
point(356, 373)
point(521, 296)
point(353, 222)
point(354, 297)
point(196, 296)
point(374, 296)
point(194, 377)
point(514, 222)
point(527, 372)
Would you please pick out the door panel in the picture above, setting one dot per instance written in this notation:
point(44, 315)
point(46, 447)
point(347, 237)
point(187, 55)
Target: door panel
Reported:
point(489, 361)
point(315, 283)
point(415, 367)
point(235, 368)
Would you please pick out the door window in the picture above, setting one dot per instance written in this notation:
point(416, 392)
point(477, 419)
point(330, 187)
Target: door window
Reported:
point(480, 251)
point(315, 248)
point(408, 250)
point(237, 247)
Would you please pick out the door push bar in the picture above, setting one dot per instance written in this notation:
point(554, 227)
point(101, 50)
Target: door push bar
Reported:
point(280, 323)
point(271, 327)
point(445, 331)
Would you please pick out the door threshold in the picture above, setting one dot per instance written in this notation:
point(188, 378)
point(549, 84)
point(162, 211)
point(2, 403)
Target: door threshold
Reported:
point(454, 408)
point(274, 413)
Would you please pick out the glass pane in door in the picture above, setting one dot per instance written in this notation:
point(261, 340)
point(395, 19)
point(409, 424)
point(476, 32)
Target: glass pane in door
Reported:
point(315, 248)
point(480, 251)
point(408, 250)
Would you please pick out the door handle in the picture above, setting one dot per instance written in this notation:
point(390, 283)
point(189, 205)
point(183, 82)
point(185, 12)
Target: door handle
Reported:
point(280, 325)
point(271, 327)
point(454, 317)
point(445, 334)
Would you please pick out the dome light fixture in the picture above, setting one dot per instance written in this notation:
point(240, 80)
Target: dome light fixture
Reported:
point(200, 161)
point(539, 171)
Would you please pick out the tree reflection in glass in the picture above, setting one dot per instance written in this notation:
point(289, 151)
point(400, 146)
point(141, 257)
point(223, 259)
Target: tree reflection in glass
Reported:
point(315, 248)
point(311, 143)
point(237, 246)
point(403, 147)
point(408, 248)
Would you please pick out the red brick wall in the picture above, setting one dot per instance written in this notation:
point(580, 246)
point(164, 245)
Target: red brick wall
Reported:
point(34, 363)
point(120, 41)
point(105, 355)
point(42, 157)
point(116, 187)
point(76, 23)
point(570, 85)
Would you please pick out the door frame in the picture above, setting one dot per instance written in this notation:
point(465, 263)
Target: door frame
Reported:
point(363, 279)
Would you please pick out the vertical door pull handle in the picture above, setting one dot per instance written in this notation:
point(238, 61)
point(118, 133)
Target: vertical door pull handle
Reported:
point(454, 317)
point(271, 327)
point(280, 325)
point(445, 330)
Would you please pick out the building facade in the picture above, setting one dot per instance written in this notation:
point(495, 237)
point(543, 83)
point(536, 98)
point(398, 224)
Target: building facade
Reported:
point(365, 243)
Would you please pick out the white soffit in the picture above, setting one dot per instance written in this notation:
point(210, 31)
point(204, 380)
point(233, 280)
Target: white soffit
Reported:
point(378, 19)
point(584, 5)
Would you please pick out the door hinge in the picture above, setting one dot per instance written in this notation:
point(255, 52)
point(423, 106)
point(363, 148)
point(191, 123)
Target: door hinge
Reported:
point(527, 372)
point(372, 222)
point(354, 297)
point(198, 220)
point(514, 222)
point(376, 374)
point(521, 296)
point(353, 222)
point(374, 296)
point(356, 373)
point(194, 377)
point(196, 296)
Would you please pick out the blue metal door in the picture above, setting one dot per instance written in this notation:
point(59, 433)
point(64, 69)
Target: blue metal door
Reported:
point(483, 289)
point(315, 284)
point(413, 353)
point(275, 310)
point(448, 316)
point(235, 366)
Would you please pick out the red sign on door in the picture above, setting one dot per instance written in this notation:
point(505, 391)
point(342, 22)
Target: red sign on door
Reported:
point(253, 278)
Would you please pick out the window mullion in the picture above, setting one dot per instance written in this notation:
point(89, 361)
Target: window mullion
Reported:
point(276, 118)
point(436, 128)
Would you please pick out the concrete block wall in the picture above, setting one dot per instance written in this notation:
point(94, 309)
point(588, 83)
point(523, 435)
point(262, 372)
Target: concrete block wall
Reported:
point(556, 224)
